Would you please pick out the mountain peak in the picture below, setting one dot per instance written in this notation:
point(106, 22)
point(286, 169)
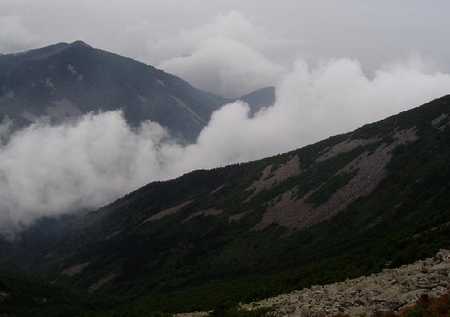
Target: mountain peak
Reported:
point(88, 76)
point(80, 43)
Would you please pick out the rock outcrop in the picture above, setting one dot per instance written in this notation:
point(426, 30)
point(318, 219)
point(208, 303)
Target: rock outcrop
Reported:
point(390, 290)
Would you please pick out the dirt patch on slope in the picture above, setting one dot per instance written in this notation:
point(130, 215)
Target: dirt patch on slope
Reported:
point(167, 212)
point(237, 217)
point(268, 178)
point(369, 169)
point(438, 121)
point(102, 282)
point(406, 136)
point(344, 147)
point(113, 234)
point(207, 212)
point(441, 122)
point(74, 269)
point(218, 189)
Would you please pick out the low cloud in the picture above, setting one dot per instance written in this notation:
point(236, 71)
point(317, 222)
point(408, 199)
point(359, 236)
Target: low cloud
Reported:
point(51, 170)
point(225, 67)
point(223, 57)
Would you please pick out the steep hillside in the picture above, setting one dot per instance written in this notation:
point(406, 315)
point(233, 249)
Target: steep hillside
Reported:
point(347, 206)
point(65, 80)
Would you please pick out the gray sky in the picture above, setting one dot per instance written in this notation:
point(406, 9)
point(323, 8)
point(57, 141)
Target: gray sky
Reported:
point(274, 33)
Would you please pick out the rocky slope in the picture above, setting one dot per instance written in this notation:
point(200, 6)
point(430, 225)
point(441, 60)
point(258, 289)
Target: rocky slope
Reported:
point(348, 206)
point(389, 291)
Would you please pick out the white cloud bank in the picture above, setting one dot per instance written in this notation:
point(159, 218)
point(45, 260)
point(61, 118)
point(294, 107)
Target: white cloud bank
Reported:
point(50, 170)
point(223, 57)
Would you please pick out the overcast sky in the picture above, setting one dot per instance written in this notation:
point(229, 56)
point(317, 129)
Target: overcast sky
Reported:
point(274, 33)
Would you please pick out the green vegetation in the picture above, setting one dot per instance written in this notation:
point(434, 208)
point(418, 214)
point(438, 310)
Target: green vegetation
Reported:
point(174, 265)
point(24, 295)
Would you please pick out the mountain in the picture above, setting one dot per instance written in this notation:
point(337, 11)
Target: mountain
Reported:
point(65, 80)
point(350, 205)
point(70, 79)
point(259, 99)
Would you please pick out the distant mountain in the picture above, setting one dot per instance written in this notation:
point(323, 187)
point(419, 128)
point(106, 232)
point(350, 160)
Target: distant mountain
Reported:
point(66, 80)
point(350, 205)
point(259, 99)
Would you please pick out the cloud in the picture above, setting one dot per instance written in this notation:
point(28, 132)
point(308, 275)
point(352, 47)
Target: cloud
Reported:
point(223, 57)
point(14, 36)
point(50, 170)
point(312, 104)
point(314, 29)
point(173, 34)
point(233, 25)
point(225, 67)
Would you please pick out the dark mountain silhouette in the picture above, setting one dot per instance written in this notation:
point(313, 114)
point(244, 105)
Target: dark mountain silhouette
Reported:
point(65, 80)
point(261, 98)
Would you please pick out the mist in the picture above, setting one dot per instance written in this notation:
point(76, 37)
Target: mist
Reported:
point(224, 56)
point(50, 170)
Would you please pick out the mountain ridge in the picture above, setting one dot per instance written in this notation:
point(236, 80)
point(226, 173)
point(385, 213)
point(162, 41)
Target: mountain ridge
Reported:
point(70, 79)
point(346, 206)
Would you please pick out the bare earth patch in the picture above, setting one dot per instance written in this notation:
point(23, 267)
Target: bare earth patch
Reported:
point(113, 234)
point(101, 282)
point(345, 147)
point(406, 136)
point(237, 217)
point(74, 269)
point(441, 122)
point(167, 212)
point(289, 212)
point(268, 178)
point(437, 121)
point(207, 212)
point(218, 189)
point(3, 296)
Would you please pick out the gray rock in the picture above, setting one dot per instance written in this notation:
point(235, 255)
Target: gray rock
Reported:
point(390, 290)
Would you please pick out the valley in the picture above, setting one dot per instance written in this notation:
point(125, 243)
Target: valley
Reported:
point(354, 204)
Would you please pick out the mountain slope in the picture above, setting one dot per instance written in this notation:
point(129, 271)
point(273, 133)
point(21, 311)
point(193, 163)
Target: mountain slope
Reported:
point(261, 98)
point(347, 206)
point(65, 80)
point(27, 296)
